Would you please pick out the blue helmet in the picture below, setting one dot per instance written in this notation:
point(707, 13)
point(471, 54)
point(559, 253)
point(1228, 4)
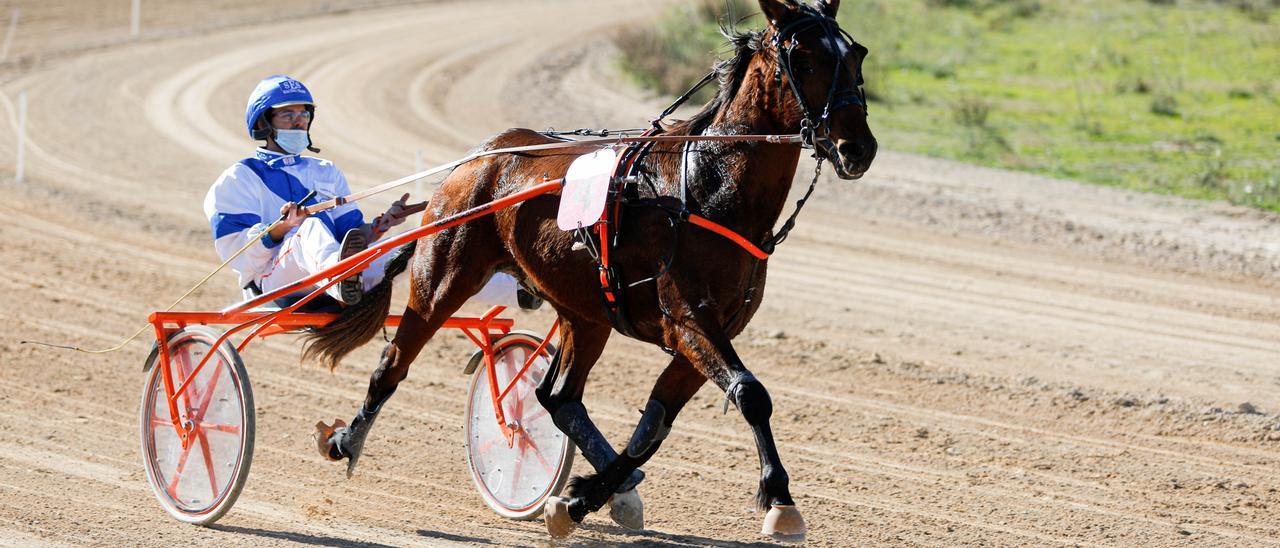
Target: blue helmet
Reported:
point(273, 92)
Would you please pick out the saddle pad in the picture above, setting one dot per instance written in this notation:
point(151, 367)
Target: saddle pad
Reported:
point(586, 189)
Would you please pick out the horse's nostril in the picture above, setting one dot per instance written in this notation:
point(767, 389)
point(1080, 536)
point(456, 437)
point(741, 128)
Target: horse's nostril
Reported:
point(850, 150)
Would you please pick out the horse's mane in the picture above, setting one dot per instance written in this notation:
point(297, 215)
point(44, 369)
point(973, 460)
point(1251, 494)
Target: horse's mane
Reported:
point(730, 73)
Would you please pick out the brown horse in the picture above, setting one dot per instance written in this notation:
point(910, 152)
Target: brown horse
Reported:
point(693, 308)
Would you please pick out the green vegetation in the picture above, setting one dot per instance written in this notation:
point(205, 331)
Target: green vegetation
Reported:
point(1171, 96)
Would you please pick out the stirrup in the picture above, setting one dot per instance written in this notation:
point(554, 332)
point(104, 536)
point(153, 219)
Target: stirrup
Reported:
point(351, 289)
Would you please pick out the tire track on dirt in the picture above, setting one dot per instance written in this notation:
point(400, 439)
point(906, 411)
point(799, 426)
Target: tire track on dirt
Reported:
point(1009, 299)
point(950, 419)
point(801, 390)
point(891, 241)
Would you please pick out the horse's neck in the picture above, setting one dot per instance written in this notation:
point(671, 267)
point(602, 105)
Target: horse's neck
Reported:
point(744, 184)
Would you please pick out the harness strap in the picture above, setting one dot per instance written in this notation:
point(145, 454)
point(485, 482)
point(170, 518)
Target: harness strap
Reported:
point(732, 236)
point(681, 100)
point(611, 286)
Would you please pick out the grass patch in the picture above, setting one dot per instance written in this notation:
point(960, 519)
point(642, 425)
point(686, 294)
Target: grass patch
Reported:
point(1168, 96)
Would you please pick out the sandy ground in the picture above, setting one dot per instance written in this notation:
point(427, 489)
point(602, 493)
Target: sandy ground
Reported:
point(957, 356)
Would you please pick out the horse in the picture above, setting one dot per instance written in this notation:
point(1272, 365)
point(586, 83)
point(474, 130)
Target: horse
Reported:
point(704, 296)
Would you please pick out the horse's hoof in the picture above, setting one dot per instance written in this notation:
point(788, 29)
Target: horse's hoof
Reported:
point(627, 509)
point(323, 437)
point(784, 524)
point(556, 515)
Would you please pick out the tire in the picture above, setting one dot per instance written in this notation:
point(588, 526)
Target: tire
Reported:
point(200, 484)
point(515, 481)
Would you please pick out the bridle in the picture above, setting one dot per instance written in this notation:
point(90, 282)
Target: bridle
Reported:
point(816, 130)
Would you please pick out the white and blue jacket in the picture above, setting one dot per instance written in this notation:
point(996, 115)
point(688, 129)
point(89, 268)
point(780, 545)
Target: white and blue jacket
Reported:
point(247, 198)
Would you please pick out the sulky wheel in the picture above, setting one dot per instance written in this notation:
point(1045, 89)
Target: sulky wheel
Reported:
point(515, 477)
point(199, 483)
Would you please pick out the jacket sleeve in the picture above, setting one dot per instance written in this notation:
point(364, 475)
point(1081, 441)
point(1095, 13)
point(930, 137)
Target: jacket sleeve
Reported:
point(233, 206)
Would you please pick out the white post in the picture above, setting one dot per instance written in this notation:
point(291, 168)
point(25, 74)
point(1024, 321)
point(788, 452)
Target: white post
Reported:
point(8, 38)
point(135, 19)
point(417, 168)
point(22, 134)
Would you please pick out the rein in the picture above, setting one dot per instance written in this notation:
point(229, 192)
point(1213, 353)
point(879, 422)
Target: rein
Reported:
point(356, 196)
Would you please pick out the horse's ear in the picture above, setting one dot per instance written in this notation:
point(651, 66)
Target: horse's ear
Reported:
point(830, 8)
point(777, 11)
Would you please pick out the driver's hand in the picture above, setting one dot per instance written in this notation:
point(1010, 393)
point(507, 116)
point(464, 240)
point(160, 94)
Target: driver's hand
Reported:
point(293, 215)
point(394, 216)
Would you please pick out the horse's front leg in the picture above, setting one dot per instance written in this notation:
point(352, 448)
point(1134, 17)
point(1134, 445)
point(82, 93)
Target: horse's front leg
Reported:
point(783, 521)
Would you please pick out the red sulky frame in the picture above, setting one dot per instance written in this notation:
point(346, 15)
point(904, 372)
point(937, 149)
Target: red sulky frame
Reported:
point(482, 330)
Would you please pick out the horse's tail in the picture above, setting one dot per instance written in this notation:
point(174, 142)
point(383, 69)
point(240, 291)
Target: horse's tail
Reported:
point(360, 322)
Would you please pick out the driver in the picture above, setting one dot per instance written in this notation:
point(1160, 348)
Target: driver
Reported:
point(255, 191)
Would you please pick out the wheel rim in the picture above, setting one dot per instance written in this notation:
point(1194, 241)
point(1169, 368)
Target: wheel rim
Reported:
point(194, 481)
point(515, 479)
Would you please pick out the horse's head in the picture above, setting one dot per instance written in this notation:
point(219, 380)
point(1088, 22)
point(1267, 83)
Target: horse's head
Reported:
point(821, 68)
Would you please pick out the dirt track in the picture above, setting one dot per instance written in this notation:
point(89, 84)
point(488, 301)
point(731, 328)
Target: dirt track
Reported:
point(956, 355)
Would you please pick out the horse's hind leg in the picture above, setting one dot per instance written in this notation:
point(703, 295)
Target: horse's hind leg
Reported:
point(342, 441)
point(561, 389)
point(677, 384)
point(437, 298)
point(561, 394)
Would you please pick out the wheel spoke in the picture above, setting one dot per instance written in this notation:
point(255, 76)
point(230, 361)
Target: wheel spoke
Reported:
point(518, 412)
point(515, 477)
point(157, 421)
point(539, 413)
point(538, 453)
point(208, 462)
point(199, 428)
point(208, 393)
point(224, 428)
point(177, 471)
point(182, 371)
point(487, 445)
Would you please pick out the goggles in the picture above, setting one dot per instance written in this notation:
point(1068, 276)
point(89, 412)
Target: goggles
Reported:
point(291, 116)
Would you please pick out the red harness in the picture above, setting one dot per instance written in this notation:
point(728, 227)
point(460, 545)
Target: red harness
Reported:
point(610, 286)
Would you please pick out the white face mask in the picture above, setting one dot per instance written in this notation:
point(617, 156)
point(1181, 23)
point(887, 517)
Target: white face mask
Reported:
point(293, 141)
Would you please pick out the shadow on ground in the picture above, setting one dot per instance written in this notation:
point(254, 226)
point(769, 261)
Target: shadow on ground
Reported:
point(300, 538)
